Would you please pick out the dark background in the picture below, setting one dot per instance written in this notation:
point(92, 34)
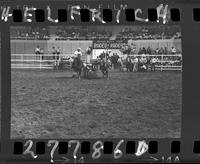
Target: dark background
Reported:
point(191, 82)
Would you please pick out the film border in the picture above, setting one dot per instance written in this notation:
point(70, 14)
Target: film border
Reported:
point(190, 119)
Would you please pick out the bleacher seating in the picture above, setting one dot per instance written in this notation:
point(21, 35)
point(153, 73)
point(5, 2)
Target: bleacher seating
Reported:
point(150, 32)
point(86, 33)
point(30, 33)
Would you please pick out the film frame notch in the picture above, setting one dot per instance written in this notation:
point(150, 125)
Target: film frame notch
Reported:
point(18, 148)
point(175, 14)
point(85, 15)
point(130, 147)
point(130, 15)
point(17, 16)
point(153, 147)
point(196, 14)
point(63, 147)
point(40, 148)
point(40, 15)
point(196, 148)
point(175, 147)
point(85, 147)
point(107, 15)
point(62, 15)
point(152, 15)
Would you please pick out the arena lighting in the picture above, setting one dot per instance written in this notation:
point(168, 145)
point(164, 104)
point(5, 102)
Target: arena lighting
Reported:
point(162, 11)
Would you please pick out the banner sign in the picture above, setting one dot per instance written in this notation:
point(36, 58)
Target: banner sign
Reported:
point(110, 44)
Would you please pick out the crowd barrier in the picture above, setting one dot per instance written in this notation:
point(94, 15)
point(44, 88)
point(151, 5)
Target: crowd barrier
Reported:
point(46, 61)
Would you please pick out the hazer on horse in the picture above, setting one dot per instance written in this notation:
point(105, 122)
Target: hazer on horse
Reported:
point(86, 67)
point(89, 69)
point(104, 63)
point(77, 64)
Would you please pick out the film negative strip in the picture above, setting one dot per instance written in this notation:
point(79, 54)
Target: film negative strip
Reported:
point(99, 81)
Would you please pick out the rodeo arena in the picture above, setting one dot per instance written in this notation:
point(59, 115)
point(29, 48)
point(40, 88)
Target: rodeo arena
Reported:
point(96, 81)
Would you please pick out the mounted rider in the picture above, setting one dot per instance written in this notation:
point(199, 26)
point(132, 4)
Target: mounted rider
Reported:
point(78, 53)
point(77, 64)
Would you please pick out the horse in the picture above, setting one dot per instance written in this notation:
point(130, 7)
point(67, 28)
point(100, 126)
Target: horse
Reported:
point(128, 62)
point(104, 66)
point(77, 66)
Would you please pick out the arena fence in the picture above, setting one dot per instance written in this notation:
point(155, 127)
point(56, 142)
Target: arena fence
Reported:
point(47, 61)
point(33, 61)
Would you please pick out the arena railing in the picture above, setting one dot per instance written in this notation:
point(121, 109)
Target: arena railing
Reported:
point(35, 61)
point(47, 61)
point(164, 64)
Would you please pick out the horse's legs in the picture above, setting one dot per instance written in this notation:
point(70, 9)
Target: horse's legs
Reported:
point(107, 74)
point(79, 74)
point(103, 74)
point(127, 68)
point(87, 73)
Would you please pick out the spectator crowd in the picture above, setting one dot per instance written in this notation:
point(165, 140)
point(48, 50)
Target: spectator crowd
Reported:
point(169, 57)
point(130, 50)
point(160, 32)
point(30, 33)
point(85, 33)
point(80, 33)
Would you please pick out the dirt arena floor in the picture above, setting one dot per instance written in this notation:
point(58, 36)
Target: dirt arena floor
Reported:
point(51, 104)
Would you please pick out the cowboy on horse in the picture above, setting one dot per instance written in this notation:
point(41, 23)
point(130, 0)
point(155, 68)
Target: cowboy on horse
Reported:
point(77, 63)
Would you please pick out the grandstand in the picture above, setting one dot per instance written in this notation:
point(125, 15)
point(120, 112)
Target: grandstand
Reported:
point(149, 40)
point(149, 32)
point(29, 33)
point(81, 33)
point(94, 32)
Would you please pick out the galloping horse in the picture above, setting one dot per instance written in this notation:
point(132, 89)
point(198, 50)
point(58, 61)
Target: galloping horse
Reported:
point(77, 66)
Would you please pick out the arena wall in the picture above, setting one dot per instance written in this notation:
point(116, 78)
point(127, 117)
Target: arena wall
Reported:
point(28, 46)
point(69, 46)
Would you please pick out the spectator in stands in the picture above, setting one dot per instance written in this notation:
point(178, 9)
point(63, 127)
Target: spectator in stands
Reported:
point(107, 54)
point(135, 64)
point(142, 51)
point(54, 53)
point(114, 59)
point(58, 51)
point(37, 50)
point(153, 63)
point(148, 51)
point(165, 51)
point(88, 53)
point(173, 50)
point(161, 51)
point(42, 53)
point(157, 51)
